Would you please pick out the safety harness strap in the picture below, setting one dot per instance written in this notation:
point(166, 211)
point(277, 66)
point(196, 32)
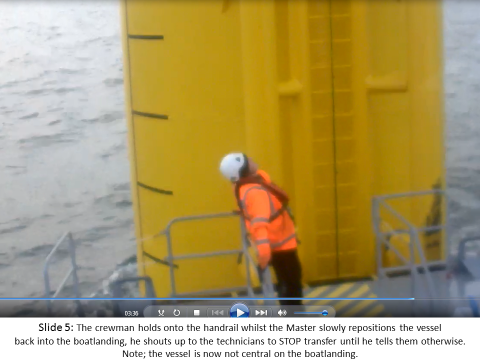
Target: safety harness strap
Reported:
point(271, 188)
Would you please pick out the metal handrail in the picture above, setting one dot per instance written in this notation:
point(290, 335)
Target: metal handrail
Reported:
point(267, 286)
point(462, 246)
point(413, 231)
point(441, 192)
point(198, 217)
point(265, 277)
point(413, 236)
point(71, 273)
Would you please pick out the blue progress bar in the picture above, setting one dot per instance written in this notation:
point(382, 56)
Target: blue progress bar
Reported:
point(224, 299)
point(313, 312)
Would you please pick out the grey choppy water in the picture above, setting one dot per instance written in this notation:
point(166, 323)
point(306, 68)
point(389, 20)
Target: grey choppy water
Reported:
point(462, 89)
point(63, 158)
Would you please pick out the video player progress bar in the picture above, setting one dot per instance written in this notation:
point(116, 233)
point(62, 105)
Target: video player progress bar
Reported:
point(222, 299)
point(309, 312)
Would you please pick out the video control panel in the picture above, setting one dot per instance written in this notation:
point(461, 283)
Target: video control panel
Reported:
point(237, 310)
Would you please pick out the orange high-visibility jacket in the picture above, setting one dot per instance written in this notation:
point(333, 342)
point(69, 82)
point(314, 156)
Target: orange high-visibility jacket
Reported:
point(267, 220)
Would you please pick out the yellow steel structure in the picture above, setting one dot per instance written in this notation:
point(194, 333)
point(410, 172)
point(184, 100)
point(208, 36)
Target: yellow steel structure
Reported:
point(338, 100)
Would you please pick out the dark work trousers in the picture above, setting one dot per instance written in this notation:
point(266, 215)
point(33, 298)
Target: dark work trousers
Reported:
point(288, 270)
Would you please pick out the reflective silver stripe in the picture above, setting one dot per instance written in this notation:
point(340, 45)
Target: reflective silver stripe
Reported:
point(262, 241)
point(284, 241)
point(277, 213)
point(259, 220)
point(245, 215)
point(272, 207)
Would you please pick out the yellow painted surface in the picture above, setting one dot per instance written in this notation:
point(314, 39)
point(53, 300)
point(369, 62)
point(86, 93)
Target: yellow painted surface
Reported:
point(354, 299)
point(338, 100)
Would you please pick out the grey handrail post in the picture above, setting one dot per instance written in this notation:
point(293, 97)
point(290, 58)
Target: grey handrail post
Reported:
point(72, 272)
point(170, 258)
point(423, 261)
point(413, 271)
point(267, 286)
point(378, 235)
point(246, 257)
point(415, 243)
point(173, 290)
point(265, 278)
point(48, 291)
point(447, 226)
point(46, 277)
point(76, 283)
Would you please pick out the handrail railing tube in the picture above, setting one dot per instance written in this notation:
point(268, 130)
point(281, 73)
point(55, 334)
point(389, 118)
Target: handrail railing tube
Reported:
point(409, 262)
point(415, 238)
point(170, 257)
point(376, 227)
point(62, 283)
point(463, 242)
point(168, 235)
point(71, 273)
point(423, 261)
point(203, 255)
point(413, 270)
point(395, 251)
point(447, 226)
point(197, 217)
point(399, 217)
point(413, 233)
point(442, 192)
point(171, 269)
point(54, 249)
point(73, 258)
point(411, 194)
point(46, 277)
point(267, 286)
point(247, 258)
point(408, 267)
point(396, 213)
point(420, 230)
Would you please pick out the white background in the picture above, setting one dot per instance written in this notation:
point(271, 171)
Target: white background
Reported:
point(463, 328)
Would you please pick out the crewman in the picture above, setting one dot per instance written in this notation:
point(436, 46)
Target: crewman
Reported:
point(264, 207)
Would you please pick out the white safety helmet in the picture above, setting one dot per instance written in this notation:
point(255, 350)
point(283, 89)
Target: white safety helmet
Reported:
point(234, 166)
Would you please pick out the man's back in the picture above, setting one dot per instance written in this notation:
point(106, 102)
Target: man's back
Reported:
point(262, 209)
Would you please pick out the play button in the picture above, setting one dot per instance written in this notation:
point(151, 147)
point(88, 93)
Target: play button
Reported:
point(239, 310)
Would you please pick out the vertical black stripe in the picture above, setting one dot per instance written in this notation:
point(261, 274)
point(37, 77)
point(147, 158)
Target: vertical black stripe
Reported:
point(133, 135)
point(145, 37)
